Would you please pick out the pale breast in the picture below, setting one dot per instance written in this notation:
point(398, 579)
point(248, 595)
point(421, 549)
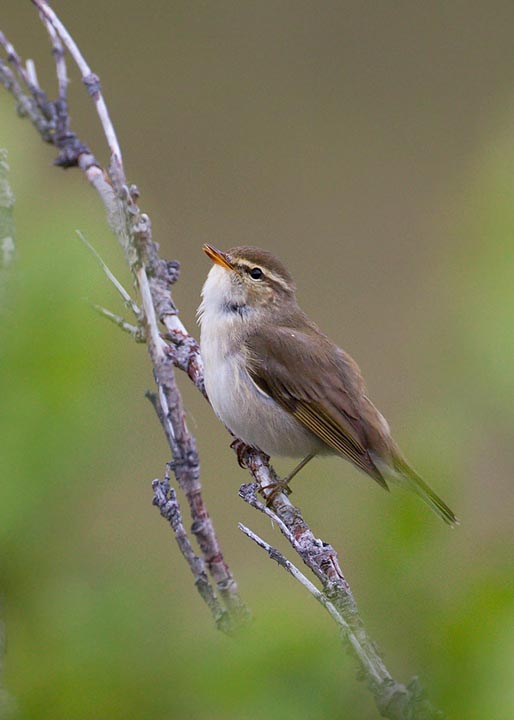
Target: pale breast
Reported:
point(245, 409)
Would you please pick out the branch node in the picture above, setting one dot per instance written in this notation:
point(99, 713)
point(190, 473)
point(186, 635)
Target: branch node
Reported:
point(93, 85)
point(133, 192)
point(172, 271)
point(70, 148)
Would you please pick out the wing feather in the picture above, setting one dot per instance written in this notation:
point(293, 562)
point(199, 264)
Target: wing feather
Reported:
point(326, 401)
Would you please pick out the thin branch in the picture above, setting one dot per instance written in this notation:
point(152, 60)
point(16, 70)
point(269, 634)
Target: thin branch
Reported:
point(184, 352)
point(32, 73)
point(26, 105)
point(319, 556)
point(14, 59)
point(165, 498)
point(303, 580)
point(129, 302)
point(91, 81)
point(154, 278)
point(348, 634)
point(394, 700)
point(60, 62)
point(135, 332)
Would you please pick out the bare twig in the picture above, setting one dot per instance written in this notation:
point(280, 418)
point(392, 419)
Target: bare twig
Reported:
point(26, 74)
point(129, 302)
point(133, 229)
point(58, 32)
point(319, 556)
point(154, 278)
point(32, 73)
point(26, 104)
point(394, 700)
point(137, 333)
point(298, 575)
point(165, 498)
point(185, 354)
point(373, 671)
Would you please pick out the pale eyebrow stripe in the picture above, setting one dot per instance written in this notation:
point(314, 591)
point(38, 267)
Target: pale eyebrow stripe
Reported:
point(269, 274)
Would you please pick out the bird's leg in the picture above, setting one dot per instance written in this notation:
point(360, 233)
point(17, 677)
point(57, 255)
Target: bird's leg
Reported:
point(282, 484)
point(297, 469)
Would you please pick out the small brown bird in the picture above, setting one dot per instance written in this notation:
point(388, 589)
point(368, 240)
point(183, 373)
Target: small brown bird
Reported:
point(281, 385)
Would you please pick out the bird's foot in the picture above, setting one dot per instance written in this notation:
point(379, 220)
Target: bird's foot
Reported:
point(280, 486)
point(240, 449)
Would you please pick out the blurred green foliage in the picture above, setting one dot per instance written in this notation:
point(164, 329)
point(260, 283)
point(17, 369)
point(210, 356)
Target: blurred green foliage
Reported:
point(102, 618)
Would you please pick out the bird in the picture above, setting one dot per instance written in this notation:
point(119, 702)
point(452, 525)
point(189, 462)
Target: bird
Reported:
point(281, 385)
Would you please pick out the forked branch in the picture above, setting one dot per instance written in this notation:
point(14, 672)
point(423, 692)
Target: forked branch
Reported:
point(175, 347)
point(153, 278)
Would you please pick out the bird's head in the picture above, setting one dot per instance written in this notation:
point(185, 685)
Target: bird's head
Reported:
point(248, 281)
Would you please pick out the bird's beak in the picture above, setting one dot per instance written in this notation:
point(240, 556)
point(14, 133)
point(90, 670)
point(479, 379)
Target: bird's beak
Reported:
point(218, 257)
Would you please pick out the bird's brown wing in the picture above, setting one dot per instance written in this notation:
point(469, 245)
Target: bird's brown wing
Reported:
point(318, 384)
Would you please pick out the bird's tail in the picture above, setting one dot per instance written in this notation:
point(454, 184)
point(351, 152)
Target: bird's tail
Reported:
point(398, 470)
point(409, 478)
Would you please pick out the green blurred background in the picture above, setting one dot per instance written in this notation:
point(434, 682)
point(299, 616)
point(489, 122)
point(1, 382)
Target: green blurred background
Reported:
point(371, 146)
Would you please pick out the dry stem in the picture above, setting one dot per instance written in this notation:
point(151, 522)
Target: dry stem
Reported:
point(154, 278)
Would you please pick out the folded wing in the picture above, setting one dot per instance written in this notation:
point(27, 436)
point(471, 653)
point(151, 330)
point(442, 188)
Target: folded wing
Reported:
point(319, 385)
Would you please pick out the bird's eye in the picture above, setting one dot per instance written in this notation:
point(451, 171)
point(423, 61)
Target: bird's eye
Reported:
point(256, 273)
